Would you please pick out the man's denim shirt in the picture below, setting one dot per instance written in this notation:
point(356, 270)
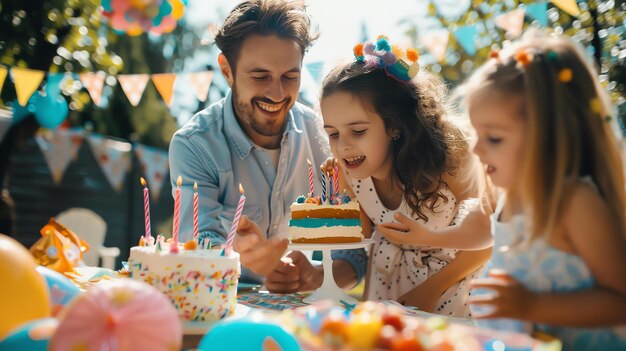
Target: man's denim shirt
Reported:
point(212, 150)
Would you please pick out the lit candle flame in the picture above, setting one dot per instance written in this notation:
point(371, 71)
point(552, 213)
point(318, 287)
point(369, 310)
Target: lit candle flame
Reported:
point(195, 186)
point(309, 162)
point(142, 181)
point(241, 188)
point(179, 181)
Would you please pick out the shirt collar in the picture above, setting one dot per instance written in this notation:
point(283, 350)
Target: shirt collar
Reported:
point(241, 142)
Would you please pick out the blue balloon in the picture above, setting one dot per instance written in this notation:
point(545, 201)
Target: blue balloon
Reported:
point(106, 5)
point(61, 289)
point(51, 111)
point(32, 336)
point(246, 334)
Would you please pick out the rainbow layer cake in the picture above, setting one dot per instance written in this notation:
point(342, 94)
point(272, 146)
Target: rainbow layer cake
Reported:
point(330, 222)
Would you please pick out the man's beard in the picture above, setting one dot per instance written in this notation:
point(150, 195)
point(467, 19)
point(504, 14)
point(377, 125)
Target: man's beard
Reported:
point(245, 112)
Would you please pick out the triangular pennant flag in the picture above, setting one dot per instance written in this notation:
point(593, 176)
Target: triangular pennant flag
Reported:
point(133, 86)
point(538, 11)
point(164, 82)
point(154, 165)
point(201, 82)
point(315, 69)
point(512, 22)
point(59, 147)
point(436, 42)
point(26, 82)
point(113, 157)
point(3, 75)
point(569, 6)
point(93, 82)
point(466, 36)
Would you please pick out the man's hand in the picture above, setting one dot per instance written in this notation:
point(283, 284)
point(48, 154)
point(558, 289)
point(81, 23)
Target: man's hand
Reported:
point(293, 274)
point(255, 252)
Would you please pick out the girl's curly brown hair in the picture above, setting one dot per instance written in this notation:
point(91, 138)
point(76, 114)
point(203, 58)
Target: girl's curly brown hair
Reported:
point(428, 147)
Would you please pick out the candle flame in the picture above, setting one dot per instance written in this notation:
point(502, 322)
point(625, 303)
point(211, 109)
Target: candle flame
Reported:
point(241, 188)
point(195, 186)
point(179, 181)
point(309, 162)
point(142, 181)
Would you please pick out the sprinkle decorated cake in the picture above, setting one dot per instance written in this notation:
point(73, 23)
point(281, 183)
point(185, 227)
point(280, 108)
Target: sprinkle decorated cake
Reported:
point(200, 283)
point(314, 221)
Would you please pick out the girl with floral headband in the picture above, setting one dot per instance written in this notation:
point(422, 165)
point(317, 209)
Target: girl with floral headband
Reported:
point(399, 153)
point(559, 258)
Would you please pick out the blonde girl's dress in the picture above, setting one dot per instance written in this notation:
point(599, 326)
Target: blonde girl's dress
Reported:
point(397, 269)
point(543, 268)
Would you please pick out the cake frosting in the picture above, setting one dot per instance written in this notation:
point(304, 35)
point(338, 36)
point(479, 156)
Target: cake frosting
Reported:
point(331, 222)
point(200, 283)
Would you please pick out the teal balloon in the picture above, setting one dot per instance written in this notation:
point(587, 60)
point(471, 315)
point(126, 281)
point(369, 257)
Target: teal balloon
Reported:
point(51, 111)
point(106, 5)
point(246, 334)
point(20, 112)
point(61, 289)
point(32, 336)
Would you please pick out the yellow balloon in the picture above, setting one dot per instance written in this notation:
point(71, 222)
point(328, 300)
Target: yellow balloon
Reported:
point(23, 293)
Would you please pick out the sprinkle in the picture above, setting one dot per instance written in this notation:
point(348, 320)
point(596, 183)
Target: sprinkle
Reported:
point(494, 54)
point(412, 55)
point(523, 57)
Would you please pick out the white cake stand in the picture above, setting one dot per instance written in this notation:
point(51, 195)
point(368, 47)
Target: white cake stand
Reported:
point(329, 289)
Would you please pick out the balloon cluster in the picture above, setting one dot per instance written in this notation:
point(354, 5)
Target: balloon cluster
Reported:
point(137, 16)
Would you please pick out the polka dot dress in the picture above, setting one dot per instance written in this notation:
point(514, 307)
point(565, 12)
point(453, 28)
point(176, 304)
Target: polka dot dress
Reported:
point(397, 269)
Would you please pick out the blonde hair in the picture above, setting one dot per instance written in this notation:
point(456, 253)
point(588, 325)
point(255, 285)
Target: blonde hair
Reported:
point(567, 122)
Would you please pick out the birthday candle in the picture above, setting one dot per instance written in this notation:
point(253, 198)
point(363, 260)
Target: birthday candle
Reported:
point(146, 210)
point(238, 212)
point(195, 211)
point(323, 184)
point(330, 186)
point(336, 176)
point(310, 177)
point(174, 245)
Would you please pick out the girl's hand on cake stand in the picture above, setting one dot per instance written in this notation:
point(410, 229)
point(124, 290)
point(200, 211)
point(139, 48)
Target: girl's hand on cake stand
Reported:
point(294, 273)
point(255, 252)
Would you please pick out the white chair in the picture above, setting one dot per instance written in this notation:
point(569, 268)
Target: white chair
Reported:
point(90, 227)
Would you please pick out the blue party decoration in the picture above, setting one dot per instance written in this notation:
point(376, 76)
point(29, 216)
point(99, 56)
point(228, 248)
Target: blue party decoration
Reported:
point(50, 111)
point(32, 336)
point(246, 334)
point(538, 11)
point(61, 289)
point(466, 36)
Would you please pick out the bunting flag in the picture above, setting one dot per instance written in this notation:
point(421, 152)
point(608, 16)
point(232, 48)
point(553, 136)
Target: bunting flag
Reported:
point(466, 36)
point(154, 166)
point(26, 82)
point(201, 82)
point(113, 157)
point(315, 69)
point(59, 147)
point(3, 75)
point(538, 11)
point(512, 22)
point(436, 42)
point(569, 6)
point(133, 86)
point(93, 82)
point(164, 82)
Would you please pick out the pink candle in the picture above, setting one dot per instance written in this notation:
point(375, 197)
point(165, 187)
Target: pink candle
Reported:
point(195, 211)
point(146, 209)
point(179, 182)
point(238, 212)
point(310, 177)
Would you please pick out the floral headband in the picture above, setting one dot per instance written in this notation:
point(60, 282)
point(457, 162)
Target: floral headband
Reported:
point(389, 57)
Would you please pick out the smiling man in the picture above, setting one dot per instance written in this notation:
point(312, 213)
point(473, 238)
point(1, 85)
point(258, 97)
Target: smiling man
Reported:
point(260, 137)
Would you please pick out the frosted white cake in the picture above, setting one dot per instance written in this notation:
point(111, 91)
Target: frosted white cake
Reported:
point(201, 284)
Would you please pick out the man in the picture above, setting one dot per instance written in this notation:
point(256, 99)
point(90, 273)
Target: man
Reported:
point(260, 137)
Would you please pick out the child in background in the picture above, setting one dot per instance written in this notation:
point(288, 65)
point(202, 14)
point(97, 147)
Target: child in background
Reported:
point(400, 154)
point(559, 258)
